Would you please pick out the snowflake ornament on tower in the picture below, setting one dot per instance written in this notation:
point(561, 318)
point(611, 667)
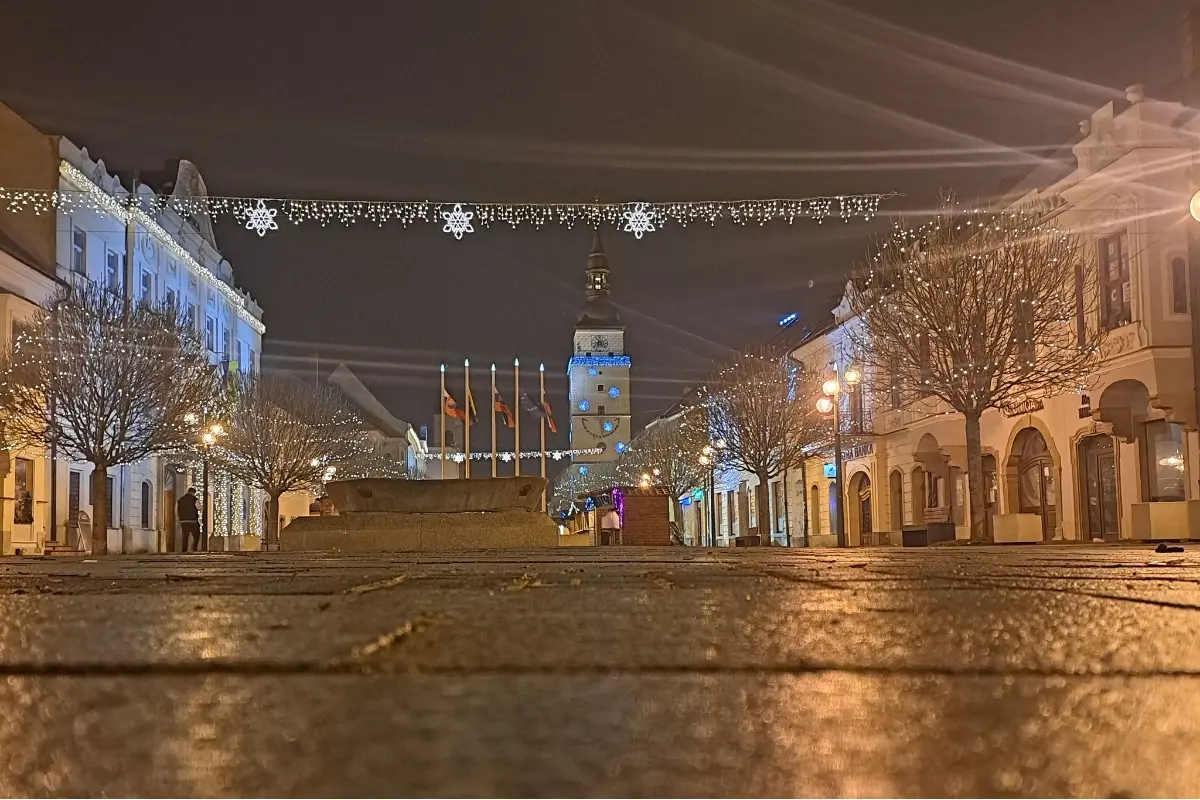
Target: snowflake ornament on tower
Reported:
point(458, 221)
point(261, 219)
point(639, 220)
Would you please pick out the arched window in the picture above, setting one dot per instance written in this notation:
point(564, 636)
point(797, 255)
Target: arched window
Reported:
point(147, 491)
point(896, 499)
point(814, 505)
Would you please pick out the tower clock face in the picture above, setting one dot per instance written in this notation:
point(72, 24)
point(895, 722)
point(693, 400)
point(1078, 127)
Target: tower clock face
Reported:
point(599, 342)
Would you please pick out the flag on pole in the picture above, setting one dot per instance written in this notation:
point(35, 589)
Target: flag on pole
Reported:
point(501, 407)
point(471, 405)
point(451, 407)
point(538, 410)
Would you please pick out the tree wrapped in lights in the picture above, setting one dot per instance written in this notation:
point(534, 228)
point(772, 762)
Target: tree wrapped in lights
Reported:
point(980, 310)
point(286, 435)
point(762, 406)
point(105, 382)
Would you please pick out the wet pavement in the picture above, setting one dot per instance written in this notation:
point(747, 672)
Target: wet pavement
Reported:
point(614, 672)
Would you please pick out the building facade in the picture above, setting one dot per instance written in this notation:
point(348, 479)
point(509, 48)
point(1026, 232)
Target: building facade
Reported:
point(599, 373)
point(1115, 459)
point(147, 255)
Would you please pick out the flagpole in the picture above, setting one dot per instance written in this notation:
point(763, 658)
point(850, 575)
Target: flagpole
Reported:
point(542, 424)
point(466, 418)
point(442, 453)
point(517, 415)
point(493, 420)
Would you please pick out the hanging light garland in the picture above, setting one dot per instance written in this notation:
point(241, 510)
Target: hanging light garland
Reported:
point(557, 455)
point(263, 214)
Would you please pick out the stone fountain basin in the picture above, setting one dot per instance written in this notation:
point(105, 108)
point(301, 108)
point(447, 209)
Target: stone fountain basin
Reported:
point(436, 497)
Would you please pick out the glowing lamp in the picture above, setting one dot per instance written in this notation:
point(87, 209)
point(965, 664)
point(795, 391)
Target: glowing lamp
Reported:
point(824, 405)
point(1194, 206)
point(853, 376)
point(830, 387)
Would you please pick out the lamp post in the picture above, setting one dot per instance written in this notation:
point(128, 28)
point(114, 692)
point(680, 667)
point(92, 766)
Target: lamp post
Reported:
point(708, 458)
point(208, 437)
point(830, 403)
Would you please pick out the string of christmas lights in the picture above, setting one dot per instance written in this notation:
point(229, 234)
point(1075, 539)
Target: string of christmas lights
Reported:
point(263, 214)
point(557, 455)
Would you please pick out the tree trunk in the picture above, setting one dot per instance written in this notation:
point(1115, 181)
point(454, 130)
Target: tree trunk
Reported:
point(804, 497)
point(979, 531)
point(100, 513)
point(762, 506)
point(272, 530)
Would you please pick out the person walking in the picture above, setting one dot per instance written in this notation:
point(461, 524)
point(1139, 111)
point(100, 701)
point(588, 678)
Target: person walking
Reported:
point(188, 512)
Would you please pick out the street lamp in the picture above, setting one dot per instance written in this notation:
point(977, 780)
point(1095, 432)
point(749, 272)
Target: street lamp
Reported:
point(832, 388)
point(208, 437)
point(708, 458)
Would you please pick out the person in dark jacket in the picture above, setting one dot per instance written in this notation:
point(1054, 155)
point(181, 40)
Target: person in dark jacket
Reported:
point(188, 512)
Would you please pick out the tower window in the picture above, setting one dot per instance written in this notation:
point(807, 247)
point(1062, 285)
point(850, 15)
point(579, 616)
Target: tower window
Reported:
point(599, 387)
point(599, 409)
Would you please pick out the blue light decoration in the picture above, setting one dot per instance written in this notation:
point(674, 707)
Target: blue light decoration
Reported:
point(597, 361)
point(608, 426)
point(788, 320)
point(831, 470)
point(614, 393)
point(619, 447)
point(592, 371)
point(686, 501)
point(590, 505)
point(584, 405)
point(584, 471)
point(697, 494)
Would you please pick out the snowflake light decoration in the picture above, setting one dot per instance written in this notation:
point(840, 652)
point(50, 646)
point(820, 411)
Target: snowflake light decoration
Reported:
point(584, 404)
point(620, 448)
point(261, 219)
point(614, 393)
point(639, 220)
point(506, 457)
point(458, 221)
point(608, 427)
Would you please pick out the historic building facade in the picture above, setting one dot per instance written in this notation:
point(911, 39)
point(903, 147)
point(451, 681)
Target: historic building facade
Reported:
point(156, 257)
point(1115, 459)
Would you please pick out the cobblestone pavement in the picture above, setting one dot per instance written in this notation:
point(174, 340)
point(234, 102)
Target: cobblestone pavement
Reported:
point(615, 672)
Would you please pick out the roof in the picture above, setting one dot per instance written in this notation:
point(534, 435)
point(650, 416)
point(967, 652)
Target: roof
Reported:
point(598, 310)
point(372, 410)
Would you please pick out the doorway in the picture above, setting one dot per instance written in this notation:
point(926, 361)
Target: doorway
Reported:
point(1033, 468)
point(859, 504)
point(991, 495)
point(1098, 487)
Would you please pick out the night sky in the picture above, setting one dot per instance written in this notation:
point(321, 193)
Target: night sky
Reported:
point(566, 100)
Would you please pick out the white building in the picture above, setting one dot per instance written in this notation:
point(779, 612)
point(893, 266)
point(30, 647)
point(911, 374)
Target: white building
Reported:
point(157, 256)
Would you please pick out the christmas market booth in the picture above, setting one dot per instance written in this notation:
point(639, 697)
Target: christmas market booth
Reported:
point(625, 515)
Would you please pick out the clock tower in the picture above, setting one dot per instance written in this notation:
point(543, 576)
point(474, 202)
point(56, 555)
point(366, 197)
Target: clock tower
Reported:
point(599, 373)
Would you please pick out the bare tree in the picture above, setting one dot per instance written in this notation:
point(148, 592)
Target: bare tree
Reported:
point(285, 435)
point(980, 310)
point(763, 406)
point(668, 451)
point(104, 382)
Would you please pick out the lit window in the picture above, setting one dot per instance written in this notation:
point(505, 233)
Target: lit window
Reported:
point(614, 393)
point(584, 405)
point(1116, 288)
point(78, 251)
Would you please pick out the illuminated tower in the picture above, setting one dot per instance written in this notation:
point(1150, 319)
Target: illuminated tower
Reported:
point(599, 372)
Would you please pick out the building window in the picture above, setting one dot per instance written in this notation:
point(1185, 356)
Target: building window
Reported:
point(1116, 289)
point(599, 409)
point(599, 387)
point(226, 345)
point(814, 505)
point(114, 504)
point(23, 508)
point(147, 493)
point(1163, 461)
point(78, 251)
point(250, 363)
point(74, 485)
point(147, 287)
point(210, 333)
point(112, 265)
point(1023, 332)
point(191, 317)
point(1179, 286)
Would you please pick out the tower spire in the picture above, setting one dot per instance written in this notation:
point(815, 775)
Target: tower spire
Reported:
point(597, 270)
